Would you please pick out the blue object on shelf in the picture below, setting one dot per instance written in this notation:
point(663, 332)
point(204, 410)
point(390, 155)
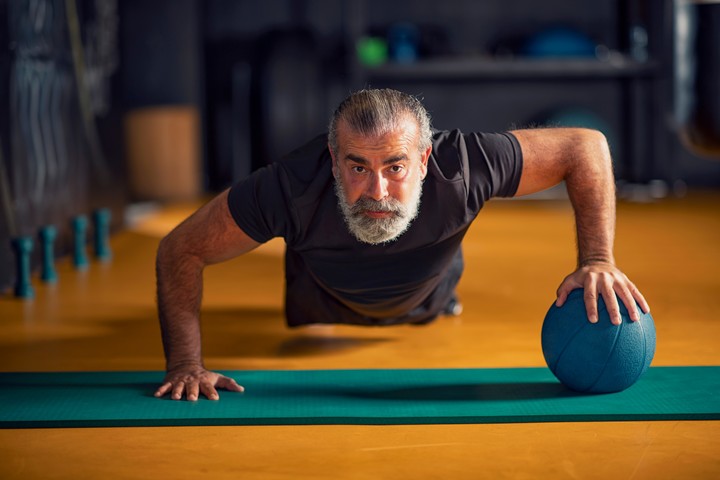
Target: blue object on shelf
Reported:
point(403, 41)
point(559, 42)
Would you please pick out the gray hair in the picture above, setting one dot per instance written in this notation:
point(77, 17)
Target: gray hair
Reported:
point(373, 113)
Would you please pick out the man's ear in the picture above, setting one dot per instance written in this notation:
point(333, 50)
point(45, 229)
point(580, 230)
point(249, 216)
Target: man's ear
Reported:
point(424, 161)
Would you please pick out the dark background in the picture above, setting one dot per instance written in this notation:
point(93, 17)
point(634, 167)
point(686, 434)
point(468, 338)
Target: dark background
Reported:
point(263, 76)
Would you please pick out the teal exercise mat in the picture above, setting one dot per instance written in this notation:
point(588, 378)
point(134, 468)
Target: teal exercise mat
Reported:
point(365, 397)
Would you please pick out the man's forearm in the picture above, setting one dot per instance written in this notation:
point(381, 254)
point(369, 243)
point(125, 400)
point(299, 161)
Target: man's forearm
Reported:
point(581, 158)
point(179, 292)
point(591, 187)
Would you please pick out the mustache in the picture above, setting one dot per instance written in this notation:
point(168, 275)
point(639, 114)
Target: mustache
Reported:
point(390, 205)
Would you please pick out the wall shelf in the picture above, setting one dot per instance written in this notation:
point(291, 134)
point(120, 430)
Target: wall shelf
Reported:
point(483, 68)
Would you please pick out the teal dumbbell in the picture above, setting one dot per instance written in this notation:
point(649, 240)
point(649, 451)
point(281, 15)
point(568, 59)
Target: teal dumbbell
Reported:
point(101, 220)
point(79, 229)
point(23, 248)
point(47, 236)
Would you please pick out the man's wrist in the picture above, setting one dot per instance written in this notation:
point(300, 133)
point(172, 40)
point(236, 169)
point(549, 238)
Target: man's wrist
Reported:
point(174, 365)
point(596, 260)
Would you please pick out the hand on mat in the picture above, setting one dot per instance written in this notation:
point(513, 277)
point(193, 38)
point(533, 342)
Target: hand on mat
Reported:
point(193, 380)
point(606, 280)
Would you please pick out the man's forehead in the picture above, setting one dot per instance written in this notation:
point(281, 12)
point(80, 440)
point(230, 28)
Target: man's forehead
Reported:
point(400, 140)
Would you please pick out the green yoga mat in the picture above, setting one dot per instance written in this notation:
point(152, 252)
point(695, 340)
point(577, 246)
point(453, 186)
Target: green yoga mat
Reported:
point(368, 397)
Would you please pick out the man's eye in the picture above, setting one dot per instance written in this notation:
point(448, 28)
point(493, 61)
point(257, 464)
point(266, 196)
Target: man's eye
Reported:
point(396, 168)
point(358, 169)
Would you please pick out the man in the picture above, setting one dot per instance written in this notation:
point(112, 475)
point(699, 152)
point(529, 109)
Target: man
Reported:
point(373, 215)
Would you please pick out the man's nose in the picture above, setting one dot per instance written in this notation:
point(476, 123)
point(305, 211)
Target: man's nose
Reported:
point(377, 189)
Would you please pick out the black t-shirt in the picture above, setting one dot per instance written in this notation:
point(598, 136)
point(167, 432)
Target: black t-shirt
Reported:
point(331, 277)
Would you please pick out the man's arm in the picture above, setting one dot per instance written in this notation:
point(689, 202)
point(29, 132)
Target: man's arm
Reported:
point(581, 158)
point(208, 236)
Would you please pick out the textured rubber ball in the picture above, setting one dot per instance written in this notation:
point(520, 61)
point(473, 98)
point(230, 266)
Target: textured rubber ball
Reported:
point(596, 357)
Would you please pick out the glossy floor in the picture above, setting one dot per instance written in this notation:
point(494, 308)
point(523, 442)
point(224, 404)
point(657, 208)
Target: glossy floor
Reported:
point(516, 254)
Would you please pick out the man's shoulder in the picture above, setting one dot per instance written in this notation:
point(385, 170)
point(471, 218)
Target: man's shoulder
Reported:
point(307, 170)
point(455, 153)
point(441, 136)
point(304, 162)
point(455, 144)
point(455, 136)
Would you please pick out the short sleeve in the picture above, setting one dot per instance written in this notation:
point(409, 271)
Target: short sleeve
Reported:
point(495, 164)
point(259, 204)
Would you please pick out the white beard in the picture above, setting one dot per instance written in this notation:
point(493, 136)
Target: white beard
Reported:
point(376, 231)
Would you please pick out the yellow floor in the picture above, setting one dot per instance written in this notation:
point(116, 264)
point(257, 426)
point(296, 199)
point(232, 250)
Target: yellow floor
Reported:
point(516, 255)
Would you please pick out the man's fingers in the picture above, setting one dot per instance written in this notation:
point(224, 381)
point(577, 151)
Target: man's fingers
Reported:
point(590, 298)
point(611, 303)
point(229, 384)
point(192, 391)
point(562, 295)
point(568, 285)
point(644, 305)
point(209, 391)
point(193, 384)
point(626, 296)
point(164, 388)
point(609, 283)
point(177, 390)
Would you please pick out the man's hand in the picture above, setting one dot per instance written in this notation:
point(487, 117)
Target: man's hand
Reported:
point(208, 236)
point(193, 380)
point(607, 280)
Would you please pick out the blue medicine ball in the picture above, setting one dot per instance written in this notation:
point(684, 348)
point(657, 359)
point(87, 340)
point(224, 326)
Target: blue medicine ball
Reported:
point(599, 357)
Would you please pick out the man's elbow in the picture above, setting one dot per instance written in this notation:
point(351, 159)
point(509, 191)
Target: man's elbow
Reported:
point(595, 141)
point(173, 248)
point(166, 251)
point(165, 246)
point(591, 153)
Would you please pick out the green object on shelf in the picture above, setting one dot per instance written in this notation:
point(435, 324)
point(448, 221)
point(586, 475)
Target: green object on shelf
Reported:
point(372, 51)
point(360, 397)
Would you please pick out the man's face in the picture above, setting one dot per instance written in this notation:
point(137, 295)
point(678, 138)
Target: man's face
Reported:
point(379, 181)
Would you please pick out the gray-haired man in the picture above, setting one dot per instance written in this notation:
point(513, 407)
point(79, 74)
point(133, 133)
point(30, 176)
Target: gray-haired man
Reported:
point(373, 214)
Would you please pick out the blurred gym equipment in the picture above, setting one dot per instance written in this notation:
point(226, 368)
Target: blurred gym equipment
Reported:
point(697, 75)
